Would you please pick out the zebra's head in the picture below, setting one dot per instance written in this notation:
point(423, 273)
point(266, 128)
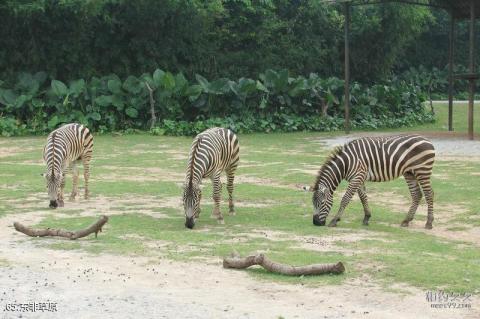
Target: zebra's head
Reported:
point(191, 203)
point(322, 203)
point(54, 180)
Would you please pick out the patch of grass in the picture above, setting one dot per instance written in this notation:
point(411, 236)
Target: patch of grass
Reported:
point(271, 167)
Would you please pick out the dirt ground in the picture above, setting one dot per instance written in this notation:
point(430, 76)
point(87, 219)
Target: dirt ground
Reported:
point(108, 286)
point(86, 286)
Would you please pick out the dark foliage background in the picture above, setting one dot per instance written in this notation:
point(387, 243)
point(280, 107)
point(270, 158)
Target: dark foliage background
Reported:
point(84, 44)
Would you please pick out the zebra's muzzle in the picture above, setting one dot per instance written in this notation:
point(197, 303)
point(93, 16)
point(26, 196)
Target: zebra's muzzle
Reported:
point(53, 204)
point(317, 221)
point(189, 222)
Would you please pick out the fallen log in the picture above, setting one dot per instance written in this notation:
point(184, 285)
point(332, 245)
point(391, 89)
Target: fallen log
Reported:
point(236, 262)
point(94, 228)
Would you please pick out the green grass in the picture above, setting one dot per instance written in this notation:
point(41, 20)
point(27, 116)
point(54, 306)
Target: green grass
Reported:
point(142, 224)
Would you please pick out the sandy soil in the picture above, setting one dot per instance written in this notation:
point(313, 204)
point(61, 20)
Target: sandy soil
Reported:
point(107, 286)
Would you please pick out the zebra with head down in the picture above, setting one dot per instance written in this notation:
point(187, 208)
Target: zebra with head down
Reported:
point(213, 151)
point(65, 147)
point(376, 159)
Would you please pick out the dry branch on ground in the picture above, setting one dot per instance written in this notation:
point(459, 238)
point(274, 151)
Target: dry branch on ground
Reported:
point(237, 262)
point(94, 228)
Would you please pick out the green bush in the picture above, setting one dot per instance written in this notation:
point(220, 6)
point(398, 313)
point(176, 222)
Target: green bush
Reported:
point(275, 101)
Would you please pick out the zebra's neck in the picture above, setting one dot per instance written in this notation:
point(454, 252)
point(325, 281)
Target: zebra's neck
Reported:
point(198, 165)
point(332, 173)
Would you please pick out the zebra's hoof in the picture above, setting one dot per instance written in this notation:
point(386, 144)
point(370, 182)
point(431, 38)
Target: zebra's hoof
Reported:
point(221, 221)
point(404, 223)
point(365, 223)
point(71, 198)
point(428, 226)
point(61, 203)
point(333, 223)
point(232, 213)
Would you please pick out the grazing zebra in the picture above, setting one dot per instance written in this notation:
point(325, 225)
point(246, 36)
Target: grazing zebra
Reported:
point(213, 151)
point(376, 159)
point(65, 147)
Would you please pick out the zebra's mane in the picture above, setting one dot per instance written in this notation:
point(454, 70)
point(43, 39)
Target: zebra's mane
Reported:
point(336, 151)
point(192, 161)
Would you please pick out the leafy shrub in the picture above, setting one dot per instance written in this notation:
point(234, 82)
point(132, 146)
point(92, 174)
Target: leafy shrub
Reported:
point(275, 101)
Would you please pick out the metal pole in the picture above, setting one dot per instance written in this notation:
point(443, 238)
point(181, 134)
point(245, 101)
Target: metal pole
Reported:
point(347, 68)
point(450, 71)
point(472, 70)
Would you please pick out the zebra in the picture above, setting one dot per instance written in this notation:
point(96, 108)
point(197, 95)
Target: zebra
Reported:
point(213, 151)
point(376, 159)
point(65, 147)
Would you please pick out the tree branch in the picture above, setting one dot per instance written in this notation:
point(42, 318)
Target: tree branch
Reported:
point(235, 261)
point(94, 228)
point(152, 106)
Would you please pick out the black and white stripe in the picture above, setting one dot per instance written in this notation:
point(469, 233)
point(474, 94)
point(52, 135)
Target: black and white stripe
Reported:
point(65, 147)
point(375, 159)
point(213, 151)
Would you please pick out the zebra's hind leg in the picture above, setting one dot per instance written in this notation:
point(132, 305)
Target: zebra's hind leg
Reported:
point(86, 174)
point(416, 194)
point(428, 192)
point(217, 194)
point(230, 178)
point(362, 193)
point(74, 182)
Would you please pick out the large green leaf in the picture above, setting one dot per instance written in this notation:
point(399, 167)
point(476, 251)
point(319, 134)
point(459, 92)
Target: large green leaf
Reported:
point(203, 82)
point(168, 81)
point(20, 101)
point(7, 97)
point(220, 86)
point(193, 92)
point(104, 100)
point(118, 102)
point(132, 85)
point(115, 86)
point(181, 83)
point(53, 121)
point(158, 76)
point(131, 112)
point(77, 87)
point(59, 88)
point(95, 116)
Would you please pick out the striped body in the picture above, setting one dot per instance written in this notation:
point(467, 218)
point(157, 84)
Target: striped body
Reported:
point(65, 147)
point(376, 159)
point(213, 151)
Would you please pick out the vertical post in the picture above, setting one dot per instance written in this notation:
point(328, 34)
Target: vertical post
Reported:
point(347, 68)
point(472, 70)
point(450, 71)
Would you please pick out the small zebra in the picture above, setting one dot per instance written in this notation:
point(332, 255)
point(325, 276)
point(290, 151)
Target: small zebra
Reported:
point(213, 151)
point(66, 146)
point(375, 159)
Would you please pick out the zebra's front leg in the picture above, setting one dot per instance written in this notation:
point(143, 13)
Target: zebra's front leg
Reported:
point(362, 193)
point(353, 186)
point(74, 182)
point(230, 178)
point(61, 202)
point(217, 194)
